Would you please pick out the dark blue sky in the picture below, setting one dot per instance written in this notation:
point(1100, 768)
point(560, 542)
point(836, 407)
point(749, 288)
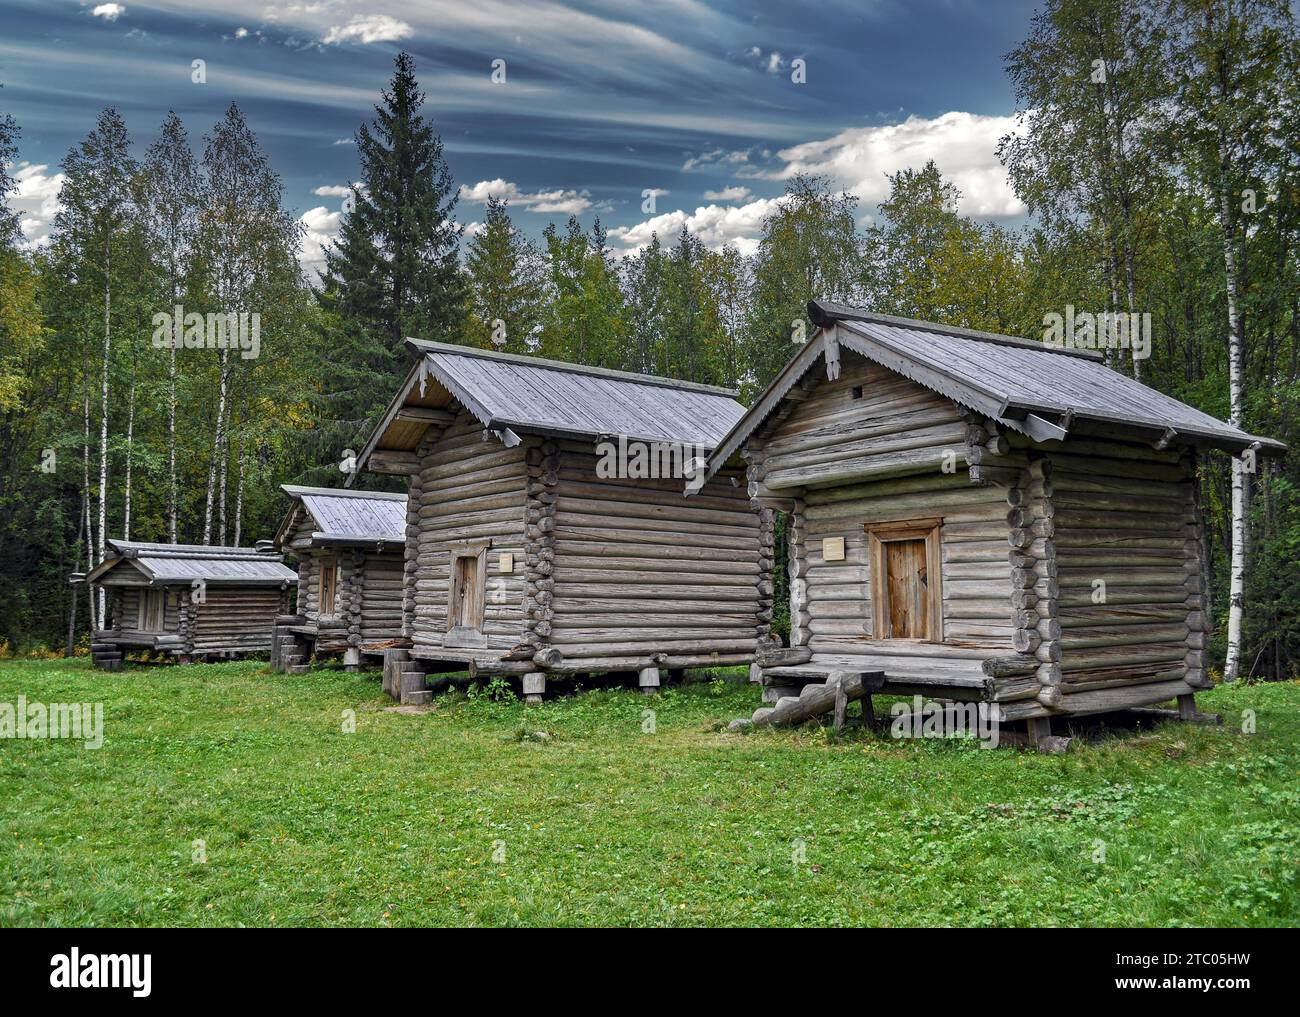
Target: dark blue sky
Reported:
point(601, 101)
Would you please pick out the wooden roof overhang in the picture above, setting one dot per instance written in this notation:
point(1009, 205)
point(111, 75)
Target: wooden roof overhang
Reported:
point(1011, 400)
point(431, 395)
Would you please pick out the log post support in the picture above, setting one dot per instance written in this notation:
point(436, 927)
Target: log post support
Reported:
point(841, 704)
point(414, 686)
point(290, 652)
point(1041, 737)
point(394, 661)
point(868, 712)
point(352, 658)
point(534, 686)
point(648, 679)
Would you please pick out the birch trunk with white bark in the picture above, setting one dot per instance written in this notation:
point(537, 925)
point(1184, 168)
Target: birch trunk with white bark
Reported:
point(103, 420)
point(1237, 567)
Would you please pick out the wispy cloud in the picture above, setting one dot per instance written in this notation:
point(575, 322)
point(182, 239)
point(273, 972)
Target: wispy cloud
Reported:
point(368, 28)
point(716, 157)
point(735, 193)
point(557, 202)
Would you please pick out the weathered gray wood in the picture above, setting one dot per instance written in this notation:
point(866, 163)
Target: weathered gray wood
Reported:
point(820, 698)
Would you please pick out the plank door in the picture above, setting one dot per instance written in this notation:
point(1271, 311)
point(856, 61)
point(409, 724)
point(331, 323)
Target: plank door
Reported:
point(463, 614)
point(329, 576)
point(906, 594)
point(906, 582)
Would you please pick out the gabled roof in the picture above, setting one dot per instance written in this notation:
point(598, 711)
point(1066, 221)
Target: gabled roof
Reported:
point(163, 564)
point(1027, 386)
point(346, 517)
point(512, 395)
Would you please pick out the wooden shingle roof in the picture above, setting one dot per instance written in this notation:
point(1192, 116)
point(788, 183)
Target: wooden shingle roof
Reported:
point(512, 395)
point(347, 517)
point(164, 564)
point(1039, 390)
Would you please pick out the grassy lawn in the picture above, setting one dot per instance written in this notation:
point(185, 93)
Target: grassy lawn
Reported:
point(458, 816)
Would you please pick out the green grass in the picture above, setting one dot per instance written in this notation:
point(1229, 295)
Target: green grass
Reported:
point(601, 823)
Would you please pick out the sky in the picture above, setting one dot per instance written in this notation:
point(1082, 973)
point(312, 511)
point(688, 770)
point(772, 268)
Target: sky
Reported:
point(650, 115)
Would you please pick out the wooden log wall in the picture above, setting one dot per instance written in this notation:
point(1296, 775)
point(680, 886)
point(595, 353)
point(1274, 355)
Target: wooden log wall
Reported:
point(234, 620)
point(542, 463)
point(411, 548)
point(1125, 515)
point(468, 487)
point(867, 424)
point(873, 447)
point(379, 605)
point(1032, 557)
point(640, 570)
point(127, 612)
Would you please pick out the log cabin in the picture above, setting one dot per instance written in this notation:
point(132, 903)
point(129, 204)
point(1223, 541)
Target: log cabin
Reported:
point(547, 528)
point(976, 517)
point(349, 550)
point(189, 601)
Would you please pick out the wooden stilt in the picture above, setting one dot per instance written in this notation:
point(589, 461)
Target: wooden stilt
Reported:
point(648, 679)
point(868, 712)
point(534, 686)
point(1041, 737)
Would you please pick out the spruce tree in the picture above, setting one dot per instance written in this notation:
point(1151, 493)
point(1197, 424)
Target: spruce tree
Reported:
point(507, 283)
point(395, 270)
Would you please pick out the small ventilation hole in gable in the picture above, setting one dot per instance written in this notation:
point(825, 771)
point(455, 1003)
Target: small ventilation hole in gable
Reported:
point(857, 391)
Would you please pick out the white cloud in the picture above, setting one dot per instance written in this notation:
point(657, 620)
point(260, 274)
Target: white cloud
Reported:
point(773, 62)
point(716, 157)
point(473, 229)
point(241, 33)
point(109, 12)
point(734, 193)
point(715, 225)
point(368, 28)
point(36, 201)
point(557, 202)
point(332, 191)
point(345, 141)
point(322, 229)
point(962, 145)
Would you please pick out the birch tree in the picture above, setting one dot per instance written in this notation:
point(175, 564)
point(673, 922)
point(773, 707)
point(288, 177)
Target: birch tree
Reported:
point(1229, 56)
point(169, 204)
point(1088, 80)
point(91, 230)
point(247, 244)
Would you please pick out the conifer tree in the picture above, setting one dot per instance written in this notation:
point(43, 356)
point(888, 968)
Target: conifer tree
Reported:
point(395, 271)
point(507, 283)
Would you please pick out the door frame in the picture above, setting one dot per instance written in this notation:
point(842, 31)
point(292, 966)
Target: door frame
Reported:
point(882, 533)
point(475, 551)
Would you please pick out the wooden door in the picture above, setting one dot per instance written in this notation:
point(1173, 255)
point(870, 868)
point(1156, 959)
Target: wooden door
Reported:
point(463, 614)
point(328, 587)
point(906, 589)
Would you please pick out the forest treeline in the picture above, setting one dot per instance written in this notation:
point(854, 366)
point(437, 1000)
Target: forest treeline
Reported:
point(1156, 150)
